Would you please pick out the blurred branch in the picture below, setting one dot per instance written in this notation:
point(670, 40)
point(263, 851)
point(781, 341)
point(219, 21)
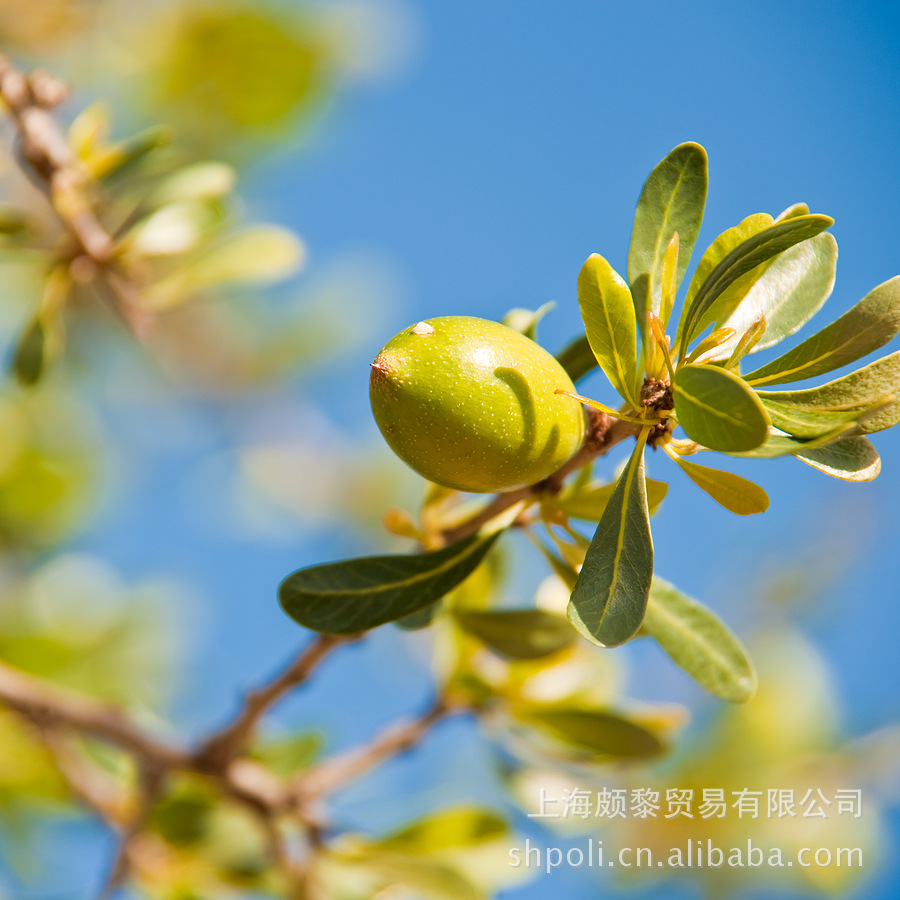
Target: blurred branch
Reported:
point(222, 747)
point(339, 771)
point(46, 158)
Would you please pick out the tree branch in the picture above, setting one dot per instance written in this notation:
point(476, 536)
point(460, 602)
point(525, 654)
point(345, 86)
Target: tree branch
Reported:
point(223, 746)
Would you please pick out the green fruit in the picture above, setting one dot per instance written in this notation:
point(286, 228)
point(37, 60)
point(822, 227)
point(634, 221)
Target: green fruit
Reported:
point(472, 405)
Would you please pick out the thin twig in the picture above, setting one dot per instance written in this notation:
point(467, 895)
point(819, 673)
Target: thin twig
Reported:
point(222, 747)
point(340, 770)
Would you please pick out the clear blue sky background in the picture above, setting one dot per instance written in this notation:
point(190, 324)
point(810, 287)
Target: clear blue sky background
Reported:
point(514, 145)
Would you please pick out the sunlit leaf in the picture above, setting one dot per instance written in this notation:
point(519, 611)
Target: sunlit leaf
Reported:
point(716, 409)
point(590, 501)
point(700, 643)
point(874, 385)
point(794, 210)
point(672, 200)
point(525, 321)
point(736, 494)
point(604, 732)
point(850, 459)
point(870, 324)
point(788, 291)
point(711, 304)
point(462, 826)
point(358, 594)
point(608, 314)
point(610, 595)
point(518, 633)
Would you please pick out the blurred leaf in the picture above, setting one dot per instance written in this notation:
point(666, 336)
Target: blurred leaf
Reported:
point(868, 325)
point(851, 459)
point(288, 755)
point(525, 321)
point(518, 633)
point(877, 384)
point(711, 304)
point(788, 291)
point(672, 200)
point(736, 494)
point(28, 361)
point(240, 68)
point(183, 817)
point(200, 181)
point(577, 358)
point(174, 229)
point(716, 409)
point(421, 618)
point(256, 255)
point(609, 734)
point(461, 826)
point(118, 159)
point(608, 313)
point(610, 595)
point(590, 501)
point(700, 643)
point(358, 594)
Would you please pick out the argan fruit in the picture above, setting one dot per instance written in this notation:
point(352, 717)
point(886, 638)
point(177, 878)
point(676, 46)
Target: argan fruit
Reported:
point(472, 405)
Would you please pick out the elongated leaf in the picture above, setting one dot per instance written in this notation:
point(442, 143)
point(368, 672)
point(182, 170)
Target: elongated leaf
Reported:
point(590, 502)
point(794, 210)
point(705, 308)
point(577, 358)
point(779, 444)
point(789, 290)
point(608, 314)
point(610, 595)
point(736, 494)
point(801, 422)
point(850, 459)
point(716, 409)
point(700, 643)
point(518, 633)
point(672, 200)
point(461, 826)
point(864, 328)
point(602, 731)
point(877, 384)
point(358, 594)
point(728, 241)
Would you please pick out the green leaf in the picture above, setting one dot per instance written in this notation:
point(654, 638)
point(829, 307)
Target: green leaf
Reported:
point(589, 502)
point(610, 595)
point(736, 494)
point(794, 210)
point(874, 385)
point(518, 633)
point(577, 358)
point(779, 444)
point(861, 330)
point(600, 731)
point(358, 594)
point(801, 422)
point(759, 247)
point(30, 356)
point(525, 321)
point(608, 314)
point(672, 200)
point(850, 459)
point(700, 643)
point(728, 241)
point(462, 826)
point(788, 291)
point(288, 755)
point(717, 409)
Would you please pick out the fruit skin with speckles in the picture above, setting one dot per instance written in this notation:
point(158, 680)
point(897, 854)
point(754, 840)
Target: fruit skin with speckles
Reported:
point(472, 405)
